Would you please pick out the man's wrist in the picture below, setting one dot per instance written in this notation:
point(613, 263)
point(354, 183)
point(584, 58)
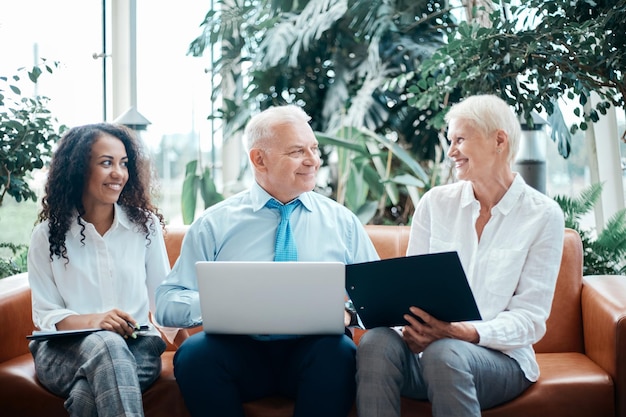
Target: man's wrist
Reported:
point(354, 320)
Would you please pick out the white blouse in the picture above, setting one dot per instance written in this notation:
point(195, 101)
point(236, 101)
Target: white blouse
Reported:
point(512, 270)
point(118, 270)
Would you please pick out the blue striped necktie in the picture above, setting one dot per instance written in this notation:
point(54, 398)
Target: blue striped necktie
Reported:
point(285, 247)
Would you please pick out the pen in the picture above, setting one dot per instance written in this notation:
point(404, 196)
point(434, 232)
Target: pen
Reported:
point(139, 327)
point(133, 326)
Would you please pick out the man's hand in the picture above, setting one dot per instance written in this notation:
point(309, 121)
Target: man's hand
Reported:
point(350, 318)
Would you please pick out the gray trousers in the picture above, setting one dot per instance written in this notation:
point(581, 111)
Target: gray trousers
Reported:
point(458, 378)
point(100, 375)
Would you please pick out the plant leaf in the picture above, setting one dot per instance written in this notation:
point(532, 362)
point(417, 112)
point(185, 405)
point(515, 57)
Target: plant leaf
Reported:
point(189, 192)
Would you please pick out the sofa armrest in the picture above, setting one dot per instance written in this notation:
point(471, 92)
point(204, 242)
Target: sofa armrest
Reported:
point(604, 326)
point(16, 320)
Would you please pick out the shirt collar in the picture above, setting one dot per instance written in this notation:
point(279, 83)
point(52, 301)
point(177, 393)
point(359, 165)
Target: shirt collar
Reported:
point(467, 194)
point(120, 218)
point(259, 197)
point(512, 195)
point(508, 201)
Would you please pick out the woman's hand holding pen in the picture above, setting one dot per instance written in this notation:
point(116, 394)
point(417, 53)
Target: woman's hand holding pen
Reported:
point(423, 329)
point(119, 322)
point(113, 320)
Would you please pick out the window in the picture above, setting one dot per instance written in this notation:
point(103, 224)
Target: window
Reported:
point(69, 32)
point(34, 29)
point(173, 91)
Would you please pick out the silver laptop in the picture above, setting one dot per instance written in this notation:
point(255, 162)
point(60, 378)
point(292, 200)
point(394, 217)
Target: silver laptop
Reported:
point(286, 298)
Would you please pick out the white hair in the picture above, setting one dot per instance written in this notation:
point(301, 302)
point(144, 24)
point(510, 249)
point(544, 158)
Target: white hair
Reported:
point(260, 128)
point(489, 113)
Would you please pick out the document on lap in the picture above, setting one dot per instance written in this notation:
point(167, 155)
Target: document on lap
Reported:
point(382, 291)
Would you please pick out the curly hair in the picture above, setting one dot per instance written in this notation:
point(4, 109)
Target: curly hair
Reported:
point(69, 170)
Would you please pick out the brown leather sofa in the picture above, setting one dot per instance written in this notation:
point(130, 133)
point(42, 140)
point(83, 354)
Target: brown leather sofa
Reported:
point(582, 356)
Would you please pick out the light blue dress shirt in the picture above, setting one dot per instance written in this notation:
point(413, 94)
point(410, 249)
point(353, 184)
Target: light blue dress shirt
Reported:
point(241, 228)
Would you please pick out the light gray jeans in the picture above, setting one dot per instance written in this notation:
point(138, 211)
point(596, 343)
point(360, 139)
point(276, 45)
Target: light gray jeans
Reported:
point(102, 374)
point(458, 378)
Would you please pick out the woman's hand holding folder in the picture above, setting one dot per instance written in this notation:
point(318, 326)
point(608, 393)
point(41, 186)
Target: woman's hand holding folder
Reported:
point(423, 329)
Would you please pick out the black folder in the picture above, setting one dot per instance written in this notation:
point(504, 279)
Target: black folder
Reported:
point(53, 334)
point(382, 291)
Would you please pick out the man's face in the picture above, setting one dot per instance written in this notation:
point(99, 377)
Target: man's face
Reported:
point(288, 166)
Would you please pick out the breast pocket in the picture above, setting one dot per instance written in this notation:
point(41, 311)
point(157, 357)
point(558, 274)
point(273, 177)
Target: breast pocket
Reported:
point(502, 271)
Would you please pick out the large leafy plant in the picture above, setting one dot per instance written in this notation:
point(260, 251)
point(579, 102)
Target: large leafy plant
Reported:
point(604, 252)
point(27, 133)
point(337, 59)
point(371, 172)
point(533, 56)
point(16, 263)
point(333, 57)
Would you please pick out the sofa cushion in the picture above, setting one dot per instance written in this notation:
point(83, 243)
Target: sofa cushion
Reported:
point(22, 395)
point(18, 381)
point(560, 391)
point(163, 397)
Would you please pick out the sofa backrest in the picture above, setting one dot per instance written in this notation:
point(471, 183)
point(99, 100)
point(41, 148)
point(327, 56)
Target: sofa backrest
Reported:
point(389, 241)
point(564, 328)
point(565, 325)
point(173, 240)
point(16, 316)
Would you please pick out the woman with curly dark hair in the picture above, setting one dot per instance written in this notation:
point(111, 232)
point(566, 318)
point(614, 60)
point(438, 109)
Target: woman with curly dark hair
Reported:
point(94, 262)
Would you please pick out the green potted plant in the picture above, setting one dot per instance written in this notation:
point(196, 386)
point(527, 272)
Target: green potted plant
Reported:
point(28, 132)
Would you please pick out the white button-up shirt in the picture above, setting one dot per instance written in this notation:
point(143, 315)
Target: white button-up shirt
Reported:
point(512, 270)
point(118, 270)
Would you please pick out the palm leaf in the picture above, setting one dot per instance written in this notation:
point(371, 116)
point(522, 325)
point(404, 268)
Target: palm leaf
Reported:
point(612, 241)
point(340, 142)
point(277, 42)
point(317, 17)
point(575, 208)
point(403, 156)
point(606, 253)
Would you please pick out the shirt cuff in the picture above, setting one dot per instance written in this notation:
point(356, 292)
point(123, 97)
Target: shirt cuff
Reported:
point(194, 309)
